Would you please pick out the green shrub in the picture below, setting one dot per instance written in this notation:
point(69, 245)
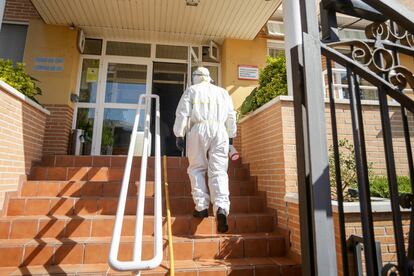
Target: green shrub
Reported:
point(272, 80)
point(272, 83)
point(379, 186)
point(348, 169)
point(249, 103)
point(17, 77)
point(378, 183)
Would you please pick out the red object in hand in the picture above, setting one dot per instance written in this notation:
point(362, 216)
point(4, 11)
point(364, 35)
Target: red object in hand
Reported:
point(233, 153)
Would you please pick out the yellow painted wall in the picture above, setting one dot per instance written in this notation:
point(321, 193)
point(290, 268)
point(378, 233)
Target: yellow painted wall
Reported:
point(407, 61)
point(53, 41)
point(241, 52)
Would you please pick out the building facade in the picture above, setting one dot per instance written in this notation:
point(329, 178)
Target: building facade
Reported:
point(95, 58)
point(93, 61)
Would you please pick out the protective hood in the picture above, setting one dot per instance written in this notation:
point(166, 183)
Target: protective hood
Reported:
point(201, 75)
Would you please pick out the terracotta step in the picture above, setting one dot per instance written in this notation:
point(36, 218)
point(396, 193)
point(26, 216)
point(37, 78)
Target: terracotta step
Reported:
point(26, 206)
point(113, 161)
point(51, 251)
point(86, 188)
point(101, 226)
point(116, 174)
point(246, 266)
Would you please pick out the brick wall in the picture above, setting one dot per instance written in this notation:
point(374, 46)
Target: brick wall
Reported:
point(268, 147)
point(262, 148)
point(383, 229)
point(373, 135)
point(58, 128)
point(293, 224)
point(20, 10)
point(384, 233)
point(22, 126)
point(267, 139)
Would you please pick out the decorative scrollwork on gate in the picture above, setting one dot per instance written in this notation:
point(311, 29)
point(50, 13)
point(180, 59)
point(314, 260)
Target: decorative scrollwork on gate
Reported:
point(383, 31)
point(401, 77)
point(381, 61)
point(378, 57)
point(390, 270)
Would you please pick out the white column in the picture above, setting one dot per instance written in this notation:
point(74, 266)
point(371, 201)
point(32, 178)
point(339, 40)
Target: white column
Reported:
point(2, 6)
point(293, 34)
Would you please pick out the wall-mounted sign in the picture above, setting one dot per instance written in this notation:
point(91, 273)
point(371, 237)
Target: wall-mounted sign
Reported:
point(49, 64)
point(92, 74)
point(248, 72)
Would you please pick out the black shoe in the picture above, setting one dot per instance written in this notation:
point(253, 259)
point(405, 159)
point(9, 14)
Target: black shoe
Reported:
point(221, 216)
point(200, 214)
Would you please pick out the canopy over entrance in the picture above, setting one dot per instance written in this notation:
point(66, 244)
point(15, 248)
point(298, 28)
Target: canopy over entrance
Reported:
point(161, 20)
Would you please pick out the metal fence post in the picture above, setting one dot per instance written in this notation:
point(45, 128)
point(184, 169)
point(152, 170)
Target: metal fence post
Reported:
point(293, 35)
point(316, 221)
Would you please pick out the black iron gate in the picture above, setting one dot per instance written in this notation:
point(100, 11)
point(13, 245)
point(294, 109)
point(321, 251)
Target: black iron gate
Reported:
point(374, 59)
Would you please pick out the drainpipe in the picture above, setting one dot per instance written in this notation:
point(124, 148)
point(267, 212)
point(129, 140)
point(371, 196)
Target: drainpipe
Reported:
point(293, 34)
point(2, 6)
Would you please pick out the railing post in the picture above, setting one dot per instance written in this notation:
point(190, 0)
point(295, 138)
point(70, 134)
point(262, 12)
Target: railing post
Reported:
point(316, 221)
point(137, 264)
point(2, 8)
point(293, 35)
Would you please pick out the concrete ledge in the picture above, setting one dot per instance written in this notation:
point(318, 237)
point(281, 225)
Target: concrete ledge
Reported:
point(379, 205)
point(290, 99)
point(266, 106)
point(12, 91)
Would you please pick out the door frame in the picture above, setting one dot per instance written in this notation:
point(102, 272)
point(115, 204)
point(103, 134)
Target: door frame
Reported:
point(100, 104)
point(104, 60)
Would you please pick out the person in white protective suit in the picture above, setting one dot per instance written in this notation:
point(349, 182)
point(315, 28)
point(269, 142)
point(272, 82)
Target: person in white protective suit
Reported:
point(206, 114)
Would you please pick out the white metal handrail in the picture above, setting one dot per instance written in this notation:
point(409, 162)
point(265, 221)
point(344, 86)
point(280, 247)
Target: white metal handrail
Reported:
point(137, 264)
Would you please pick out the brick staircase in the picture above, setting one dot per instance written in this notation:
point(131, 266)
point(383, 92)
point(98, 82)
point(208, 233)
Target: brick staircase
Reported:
point(61, 220)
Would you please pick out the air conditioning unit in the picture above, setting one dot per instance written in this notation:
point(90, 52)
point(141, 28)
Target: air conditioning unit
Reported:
point(275, 28)
point(81, 41)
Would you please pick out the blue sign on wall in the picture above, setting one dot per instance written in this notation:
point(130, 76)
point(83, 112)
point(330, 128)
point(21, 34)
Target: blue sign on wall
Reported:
point(49, 64)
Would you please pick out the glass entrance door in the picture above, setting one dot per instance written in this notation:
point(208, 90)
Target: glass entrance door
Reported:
point(87, 106)
point(124, 82)
point(108, 103)
point(169, 82)
point(114, 74)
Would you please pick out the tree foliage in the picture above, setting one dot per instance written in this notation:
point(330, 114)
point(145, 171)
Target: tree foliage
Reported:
point(17, 77)
point(272, 83)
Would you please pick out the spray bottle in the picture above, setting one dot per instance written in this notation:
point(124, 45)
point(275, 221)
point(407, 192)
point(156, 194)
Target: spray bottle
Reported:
point(233, 154)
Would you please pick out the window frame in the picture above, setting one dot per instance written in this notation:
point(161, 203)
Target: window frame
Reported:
point(20, 23)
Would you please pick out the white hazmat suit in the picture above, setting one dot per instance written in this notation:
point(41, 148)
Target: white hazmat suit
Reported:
point(206, 112)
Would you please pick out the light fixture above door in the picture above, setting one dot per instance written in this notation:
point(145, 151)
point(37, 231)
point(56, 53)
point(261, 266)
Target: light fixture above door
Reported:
point(192, 3)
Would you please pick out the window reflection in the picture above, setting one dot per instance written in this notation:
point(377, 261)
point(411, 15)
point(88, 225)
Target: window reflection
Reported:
point(125, 83)
point(85, 120)
point(117, 129)
point(89, 81)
